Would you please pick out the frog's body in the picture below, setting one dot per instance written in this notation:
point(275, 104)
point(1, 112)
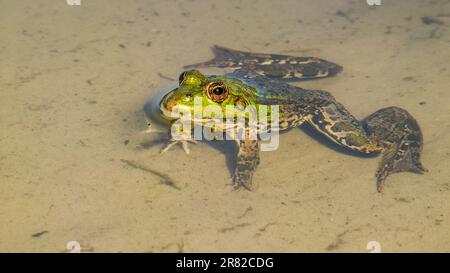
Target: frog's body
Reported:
point(261, 79)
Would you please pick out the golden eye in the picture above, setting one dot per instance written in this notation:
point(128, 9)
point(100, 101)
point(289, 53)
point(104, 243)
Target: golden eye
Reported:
point(182, 77)
point(217, 92)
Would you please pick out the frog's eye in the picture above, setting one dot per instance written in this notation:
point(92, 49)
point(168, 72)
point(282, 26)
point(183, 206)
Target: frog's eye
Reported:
point(182, 77)
point(217, 91)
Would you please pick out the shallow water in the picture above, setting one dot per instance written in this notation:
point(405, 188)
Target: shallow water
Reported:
point(75, 165)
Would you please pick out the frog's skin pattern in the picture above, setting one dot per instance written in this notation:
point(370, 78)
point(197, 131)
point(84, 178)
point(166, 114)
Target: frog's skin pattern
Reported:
point(287, 68)
point(399, 134)
point(262, 79)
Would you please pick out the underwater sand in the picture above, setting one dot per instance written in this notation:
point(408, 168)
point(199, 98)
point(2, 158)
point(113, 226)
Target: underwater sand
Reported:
point(75, 165)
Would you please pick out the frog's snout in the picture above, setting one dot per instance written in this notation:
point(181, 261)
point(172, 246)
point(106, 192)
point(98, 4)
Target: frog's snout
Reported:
point(170, 106)
point(167, 102)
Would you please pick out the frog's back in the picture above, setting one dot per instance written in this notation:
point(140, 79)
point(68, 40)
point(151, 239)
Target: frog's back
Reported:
point(273, 91)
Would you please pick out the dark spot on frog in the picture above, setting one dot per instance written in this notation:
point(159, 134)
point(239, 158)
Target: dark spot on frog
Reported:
point(310, 71)
point(422, 103)
point(89, 82)
point(126, 141)
point(39, 234)
point(408, 79)
point(122, 46)
point(92, 102)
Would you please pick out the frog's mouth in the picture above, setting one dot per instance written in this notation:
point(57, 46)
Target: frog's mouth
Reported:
point(177, 112)
point(173, 115)
point(169, 110)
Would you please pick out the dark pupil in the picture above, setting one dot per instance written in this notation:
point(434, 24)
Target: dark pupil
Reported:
point(218, 91)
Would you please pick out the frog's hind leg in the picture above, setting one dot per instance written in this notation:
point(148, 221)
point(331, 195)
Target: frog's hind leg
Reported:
point(281, 67)
point(337, 124)
point(400, 136)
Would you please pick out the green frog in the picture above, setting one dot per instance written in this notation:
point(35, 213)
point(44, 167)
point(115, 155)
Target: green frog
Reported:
point(256, 80)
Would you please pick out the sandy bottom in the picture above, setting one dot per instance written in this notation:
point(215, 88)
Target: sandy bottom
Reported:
point(74, 165)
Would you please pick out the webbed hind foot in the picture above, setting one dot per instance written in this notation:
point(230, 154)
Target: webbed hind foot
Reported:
point(398, 159)
point(401, 138)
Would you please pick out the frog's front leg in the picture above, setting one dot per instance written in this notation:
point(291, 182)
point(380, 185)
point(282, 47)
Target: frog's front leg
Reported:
point(247, 161)
point(179, 135)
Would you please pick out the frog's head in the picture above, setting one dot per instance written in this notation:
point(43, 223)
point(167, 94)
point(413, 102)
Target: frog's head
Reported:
point(200, 90)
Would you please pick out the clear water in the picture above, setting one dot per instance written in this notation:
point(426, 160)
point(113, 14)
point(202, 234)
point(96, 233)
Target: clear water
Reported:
point(75, 165)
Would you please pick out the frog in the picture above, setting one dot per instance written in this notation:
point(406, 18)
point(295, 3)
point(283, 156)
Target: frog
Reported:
point(261, 79)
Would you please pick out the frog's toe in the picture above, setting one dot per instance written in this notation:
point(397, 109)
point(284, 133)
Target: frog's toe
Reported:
point(419, 168)
point(169, 145)
point(185, 146)
point(398, 161)
point(183, 142)
point(242, 181)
